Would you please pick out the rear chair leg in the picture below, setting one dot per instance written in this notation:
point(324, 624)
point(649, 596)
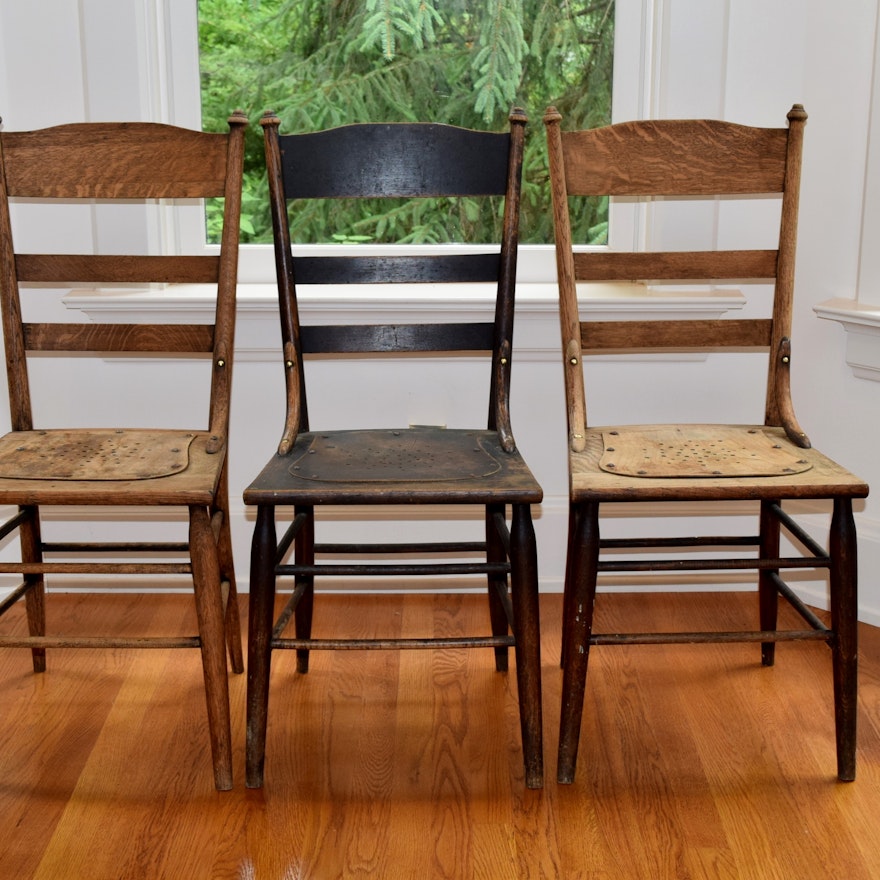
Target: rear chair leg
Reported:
point(305, 555)
point(495, 553)
point(768, 597)
point(35, 598)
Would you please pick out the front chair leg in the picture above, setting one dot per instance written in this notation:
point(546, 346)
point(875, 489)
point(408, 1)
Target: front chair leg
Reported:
point(227, 573)
point(261, 620)
point(212, 638)
point(844, 622)
point(580, 594)
point(526, 615)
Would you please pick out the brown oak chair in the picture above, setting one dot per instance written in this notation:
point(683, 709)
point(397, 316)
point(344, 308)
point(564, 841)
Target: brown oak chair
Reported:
point(104, 469)
point(371, 466)
point(767, 463)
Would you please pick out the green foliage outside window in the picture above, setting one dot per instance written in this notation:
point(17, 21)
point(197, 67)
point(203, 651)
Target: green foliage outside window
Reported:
point(319, 64)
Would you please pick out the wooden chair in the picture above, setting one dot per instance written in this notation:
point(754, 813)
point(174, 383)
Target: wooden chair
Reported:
point(767, 464)
point(99, 471)
point(395, 465)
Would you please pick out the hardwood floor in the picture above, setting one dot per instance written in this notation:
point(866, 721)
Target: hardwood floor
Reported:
point(695, 761)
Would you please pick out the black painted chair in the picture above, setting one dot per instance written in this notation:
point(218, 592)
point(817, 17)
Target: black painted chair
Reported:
point(370, 466)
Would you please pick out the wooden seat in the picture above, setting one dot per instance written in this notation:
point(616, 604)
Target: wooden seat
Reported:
point(380, 464)
point(102, 469)
point(767, 463)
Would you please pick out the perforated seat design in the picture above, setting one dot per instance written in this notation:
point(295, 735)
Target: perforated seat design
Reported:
point(93, 455)
point(698, 451)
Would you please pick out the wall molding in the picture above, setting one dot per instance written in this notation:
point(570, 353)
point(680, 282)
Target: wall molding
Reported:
point(862, 325)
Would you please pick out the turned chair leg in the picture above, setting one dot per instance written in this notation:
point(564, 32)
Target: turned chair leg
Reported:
point(261, 619)
point(210, 613)
point(524, 594)
point(580, 595)
point(844, 622)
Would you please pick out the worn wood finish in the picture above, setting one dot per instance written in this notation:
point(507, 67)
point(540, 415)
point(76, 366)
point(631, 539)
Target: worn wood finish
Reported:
point(101, 468)
point(397, 338)
point(409, 765)
point(119, 337)
point(675, 158)
point(384, 465)
point(645, 463)
point(394, 161)
point(397, 269)
point(117, 269)
point(116, 160)
point(674, 265)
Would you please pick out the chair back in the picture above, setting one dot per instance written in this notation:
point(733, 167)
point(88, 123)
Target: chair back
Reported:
point(687, 159)
point(119, 162)
point(419, 160)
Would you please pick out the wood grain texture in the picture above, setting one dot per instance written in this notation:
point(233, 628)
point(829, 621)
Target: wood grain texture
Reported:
point(678, 157)
point(115, 161)
point(407, 764)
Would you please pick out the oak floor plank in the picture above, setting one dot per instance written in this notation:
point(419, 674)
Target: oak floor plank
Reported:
point(695, 762)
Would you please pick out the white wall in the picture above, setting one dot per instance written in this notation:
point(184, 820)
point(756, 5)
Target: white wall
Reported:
point(748, 61)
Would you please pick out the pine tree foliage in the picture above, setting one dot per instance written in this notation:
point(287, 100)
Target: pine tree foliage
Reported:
point(319, 64)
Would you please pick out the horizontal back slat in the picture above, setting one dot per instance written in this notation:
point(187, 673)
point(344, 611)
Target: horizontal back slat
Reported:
point(597, 335)
point(396, 337)
point(675, 265)
point(396, 269)
point(143, 338)
point(674, 157)
point(347, 162)
point(115, 161)
point(95, 269)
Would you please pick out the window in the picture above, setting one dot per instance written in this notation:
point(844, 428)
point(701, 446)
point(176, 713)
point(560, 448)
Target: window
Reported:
point(458, 61)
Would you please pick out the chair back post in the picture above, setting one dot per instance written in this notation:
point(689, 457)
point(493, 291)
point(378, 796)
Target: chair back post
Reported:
point(227, 279)
point(499, 407)
point(779, 409)
point(575, 397)
point(10, 307)
point(296, 416)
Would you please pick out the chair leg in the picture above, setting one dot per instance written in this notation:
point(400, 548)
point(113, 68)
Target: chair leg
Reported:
point(580, 596)
point(495, 553)
point(305, 555)
point(227, 575)
point(35, 598)
point(768, 597)
point(526, 615)
point(209, 609)
point(573, 511)
point(261, 619)
point(844, 622)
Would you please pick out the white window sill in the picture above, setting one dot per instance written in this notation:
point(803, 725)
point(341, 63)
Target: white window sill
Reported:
point(537, 332)
point(862, 325)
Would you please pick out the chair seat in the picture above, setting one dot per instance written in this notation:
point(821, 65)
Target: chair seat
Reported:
point(109, 467)
point(367, 467)
point(689, 462)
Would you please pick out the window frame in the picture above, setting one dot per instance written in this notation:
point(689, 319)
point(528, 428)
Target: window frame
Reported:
point(172, 59)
